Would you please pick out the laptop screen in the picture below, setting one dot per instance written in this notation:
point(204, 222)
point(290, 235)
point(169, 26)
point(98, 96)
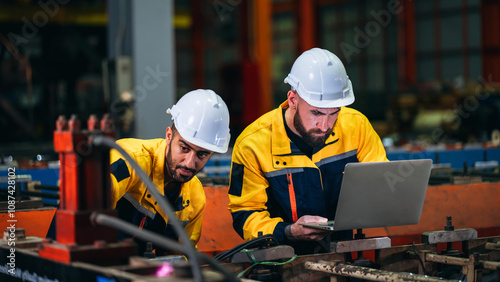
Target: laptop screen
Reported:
point(380, 194)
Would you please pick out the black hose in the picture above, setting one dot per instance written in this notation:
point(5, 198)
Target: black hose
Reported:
point(111, 221)
point(122, 225)
point(414, 252)
point(47, 187)
point(255, 243)
point(190, 251)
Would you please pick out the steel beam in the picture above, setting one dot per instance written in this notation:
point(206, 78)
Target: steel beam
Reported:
point(369, 273)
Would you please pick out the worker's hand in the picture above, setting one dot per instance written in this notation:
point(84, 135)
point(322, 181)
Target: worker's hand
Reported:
point(298, 232)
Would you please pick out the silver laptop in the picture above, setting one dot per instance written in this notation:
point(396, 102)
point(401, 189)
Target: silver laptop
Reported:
point(380, 194)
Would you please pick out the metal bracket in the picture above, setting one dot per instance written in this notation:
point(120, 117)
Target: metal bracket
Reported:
point(443, 236)
point(268, 254)
point(360, 245)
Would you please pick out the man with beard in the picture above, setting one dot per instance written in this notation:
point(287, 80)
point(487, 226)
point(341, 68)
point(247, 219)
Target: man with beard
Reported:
point(200, 128)
point(287, 166)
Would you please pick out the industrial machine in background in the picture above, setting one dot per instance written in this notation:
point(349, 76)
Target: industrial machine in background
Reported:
point(474, 260)
point(86, 246)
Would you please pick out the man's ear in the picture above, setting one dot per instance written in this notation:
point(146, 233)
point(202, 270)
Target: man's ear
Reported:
point(292, 97)
point(168, 134)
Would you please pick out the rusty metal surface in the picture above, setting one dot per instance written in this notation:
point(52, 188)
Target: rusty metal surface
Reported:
point(35, 268)
point(442, 236)
point(369, 273)
point(492, 246)
point(479, 246)
point(295, 271)
point(99, 253)
point(405, 258)
point(360, 245)
point(471, 261)
point(447, 259)
point(267, 254)
point(492, 265)
point(20, 239)
point(85, 188)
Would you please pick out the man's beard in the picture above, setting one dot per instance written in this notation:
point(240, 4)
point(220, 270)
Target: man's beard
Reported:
point(308, 136)
point(173, 170)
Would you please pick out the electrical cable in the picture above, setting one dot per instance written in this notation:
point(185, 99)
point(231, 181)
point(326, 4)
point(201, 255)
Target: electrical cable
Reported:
point(164, 205)
point(255, 262)
point(421, 264)
point(413, 251)
point(268, 239)
point(122, 225)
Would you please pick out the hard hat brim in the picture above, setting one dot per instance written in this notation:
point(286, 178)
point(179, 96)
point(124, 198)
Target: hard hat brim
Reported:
point(206, 145)
point(330, 104)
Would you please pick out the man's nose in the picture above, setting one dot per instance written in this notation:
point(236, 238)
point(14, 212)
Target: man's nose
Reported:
point(323, 124)
point(191, 160)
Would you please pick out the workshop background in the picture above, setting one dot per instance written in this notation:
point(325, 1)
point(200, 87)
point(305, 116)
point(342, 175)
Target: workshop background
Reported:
point(425, 73)
point(415, 65)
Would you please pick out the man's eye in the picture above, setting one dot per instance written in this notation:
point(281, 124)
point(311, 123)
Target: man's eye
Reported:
point(184, 148)
point(202, 154)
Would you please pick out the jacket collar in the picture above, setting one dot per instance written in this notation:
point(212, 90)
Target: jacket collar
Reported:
point(159, 166)
point(279, 138)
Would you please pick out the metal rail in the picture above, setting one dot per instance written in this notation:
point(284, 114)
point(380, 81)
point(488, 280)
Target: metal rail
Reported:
point(492, 265)
point(41, 194)
point(492, 246)
point(369, 273)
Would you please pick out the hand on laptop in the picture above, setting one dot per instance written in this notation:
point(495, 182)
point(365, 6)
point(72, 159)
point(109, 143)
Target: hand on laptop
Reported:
point(299, 232)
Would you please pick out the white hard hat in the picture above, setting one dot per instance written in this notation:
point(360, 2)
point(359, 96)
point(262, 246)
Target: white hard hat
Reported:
point(321, 80)
point(202, 118)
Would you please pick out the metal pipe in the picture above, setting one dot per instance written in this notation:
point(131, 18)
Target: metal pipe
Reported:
point(492, 246)
point(41, 194)
point(146, 235)
point(369, 273)
point(493, 265)
point(47, 187)
point(447, 259)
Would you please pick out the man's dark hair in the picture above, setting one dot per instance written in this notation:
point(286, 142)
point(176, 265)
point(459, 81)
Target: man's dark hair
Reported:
point(174, 130)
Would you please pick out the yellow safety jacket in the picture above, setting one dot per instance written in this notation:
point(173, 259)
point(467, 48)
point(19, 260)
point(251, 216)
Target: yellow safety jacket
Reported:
point(135, 204)
point(273, 183)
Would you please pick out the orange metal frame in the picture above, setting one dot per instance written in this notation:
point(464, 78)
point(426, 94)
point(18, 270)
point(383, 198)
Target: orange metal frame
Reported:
point(35, 222)
point(85, 188)
point(470, 206)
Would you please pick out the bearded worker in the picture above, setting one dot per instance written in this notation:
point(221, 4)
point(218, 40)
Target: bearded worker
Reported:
point(287, 166)
point(200, 128)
